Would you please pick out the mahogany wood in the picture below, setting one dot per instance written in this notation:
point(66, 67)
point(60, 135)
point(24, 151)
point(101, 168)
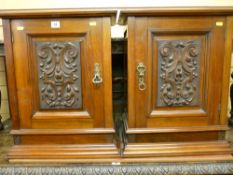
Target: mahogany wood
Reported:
point(191, 148)
point(178, 159)
point(155, 131)
point(149, 31)
point(90, 124)
point(169, 159)
point(11, 81)
point(174, 137)
point(136, 11)
point(149, 122)
point(177, 129)
point(227, 65)
point(91, 38)
point(168, 152)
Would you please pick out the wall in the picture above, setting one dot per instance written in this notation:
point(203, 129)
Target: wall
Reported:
point(3, 87)
point(1, 32)
point(25, 4)
point(4, 111)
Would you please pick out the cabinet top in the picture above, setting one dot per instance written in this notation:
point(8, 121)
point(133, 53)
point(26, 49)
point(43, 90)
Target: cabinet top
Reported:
point(165, 11)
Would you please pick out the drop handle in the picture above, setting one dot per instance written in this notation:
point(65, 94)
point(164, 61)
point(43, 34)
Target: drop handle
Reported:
point(141, 69)
point(97, 79)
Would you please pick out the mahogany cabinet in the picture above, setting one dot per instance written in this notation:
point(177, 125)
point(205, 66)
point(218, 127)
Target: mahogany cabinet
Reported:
point(62, 76)
point(59, 70)
point(175, 76)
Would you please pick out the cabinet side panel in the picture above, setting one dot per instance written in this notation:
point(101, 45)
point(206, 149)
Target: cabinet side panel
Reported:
point(131, 69)
point(226, 70)
point(11, 83)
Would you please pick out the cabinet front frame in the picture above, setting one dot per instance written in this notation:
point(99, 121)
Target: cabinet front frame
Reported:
point(43, 117)
point(140, 50)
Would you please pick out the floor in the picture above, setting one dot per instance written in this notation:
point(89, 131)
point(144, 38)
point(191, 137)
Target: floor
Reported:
point(6, 141)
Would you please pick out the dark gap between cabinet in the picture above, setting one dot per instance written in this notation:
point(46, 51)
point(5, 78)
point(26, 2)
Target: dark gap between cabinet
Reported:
point(119, 88)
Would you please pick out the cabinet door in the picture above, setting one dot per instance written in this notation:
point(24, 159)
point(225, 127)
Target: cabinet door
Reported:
point(63, 72)
point(174, 71)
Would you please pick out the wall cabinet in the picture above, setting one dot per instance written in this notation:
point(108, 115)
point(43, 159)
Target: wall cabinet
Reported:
point(60, 86)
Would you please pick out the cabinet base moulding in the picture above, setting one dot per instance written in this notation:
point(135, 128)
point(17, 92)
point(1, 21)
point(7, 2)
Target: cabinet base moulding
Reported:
point(62, 153)
point(205, 148)
point(157, 152)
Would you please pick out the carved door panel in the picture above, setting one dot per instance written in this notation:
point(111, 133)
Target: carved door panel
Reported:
point(63, 72)
point(174, 71)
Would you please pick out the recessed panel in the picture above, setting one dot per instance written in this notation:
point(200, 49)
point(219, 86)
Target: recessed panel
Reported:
point(178, 72)
point(59, 73)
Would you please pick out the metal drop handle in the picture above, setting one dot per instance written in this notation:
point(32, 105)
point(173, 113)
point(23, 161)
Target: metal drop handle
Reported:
point(141, 69)
point(97, 79)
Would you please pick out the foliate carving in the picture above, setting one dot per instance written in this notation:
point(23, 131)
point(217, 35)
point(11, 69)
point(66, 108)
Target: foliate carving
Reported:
point(178, 72)
point(59, 74)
